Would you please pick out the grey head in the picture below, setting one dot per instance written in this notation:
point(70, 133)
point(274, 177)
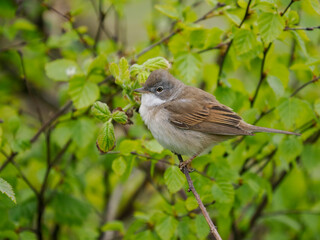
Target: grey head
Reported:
point(161, 84)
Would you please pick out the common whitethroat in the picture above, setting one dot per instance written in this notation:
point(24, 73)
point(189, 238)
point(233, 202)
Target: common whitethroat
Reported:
point(188, 120)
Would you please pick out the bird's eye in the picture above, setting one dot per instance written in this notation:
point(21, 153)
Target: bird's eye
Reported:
point(159, 89)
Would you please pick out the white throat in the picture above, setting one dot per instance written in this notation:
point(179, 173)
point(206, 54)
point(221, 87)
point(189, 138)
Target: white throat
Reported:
point(150, 100)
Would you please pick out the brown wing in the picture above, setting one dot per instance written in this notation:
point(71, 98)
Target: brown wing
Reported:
point(205, 116)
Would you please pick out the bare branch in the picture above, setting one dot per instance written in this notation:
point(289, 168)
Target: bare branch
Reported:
point(204, 17)
point(290, 212)
point(292, 1)
point(301, 28)
point(315, 79)
point(223, 57)
point(52, 119)
point(24, 78)
point(204, 211)
point(262, 74)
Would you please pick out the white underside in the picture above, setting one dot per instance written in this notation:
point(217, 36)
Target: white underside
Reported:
point(184, 142)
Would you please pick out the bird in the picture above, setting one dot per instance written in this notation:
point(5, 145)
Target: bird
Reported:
point(188, 120)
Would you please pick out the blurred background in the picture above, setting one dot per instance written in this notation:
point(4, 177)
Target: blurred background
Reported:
point(259, 57)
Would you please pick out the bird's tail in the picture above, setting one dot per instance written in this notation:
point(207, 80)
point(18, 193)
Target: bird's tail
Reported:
point(271, 130)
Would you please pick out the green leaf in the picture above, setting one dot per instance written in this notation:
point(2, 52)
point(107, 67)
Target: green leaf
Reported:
point(317, 106)
point(191, 203)
point(276, 85)
point(223, 191)
point(270, 26)
point(244, 41)
point(120, 117)
point(106, 139)
point(202, 227)
point(114, 69)
point(135, 69)
point(166, 227)
point(124, 70)
point(143, 76)
point(62, 69)
point(154, 146)
point(156, 63)
point(294, 112)
point(101, 111)
point(168, 10)
point(188, 64)
point(119, 166)
point(290, 148)
point(69, 210)
point(174, 179)
point(301, 39)
point(315, 4)
point(120, 72)
point(83, 93)
point(113, 226)
point(82, 131)
point(6, 189)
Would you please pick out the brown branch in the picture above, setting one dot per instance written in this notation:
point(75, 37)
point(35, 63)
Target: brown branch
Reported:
point(292, 1)
point(213, 229)
point(246, 14)
point(70, 20)
point(52, 119)
point(24, 177)
point(223, 57)
point(24, 78)
point(164, 39)
point(262, 74)
point(315, 79)
point(290, 212)
point(301, 28)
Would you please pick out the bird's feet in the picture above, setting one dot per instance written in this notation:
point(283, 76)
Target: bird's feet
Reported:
point(186, 164)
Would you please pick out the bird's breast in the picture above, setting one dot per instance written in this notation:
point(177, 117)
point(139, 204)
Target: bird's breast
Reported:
point(184, 142)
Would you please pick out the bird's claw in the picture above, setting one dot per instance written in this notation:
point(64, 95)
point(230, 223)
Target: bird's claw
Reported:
point(185, 164)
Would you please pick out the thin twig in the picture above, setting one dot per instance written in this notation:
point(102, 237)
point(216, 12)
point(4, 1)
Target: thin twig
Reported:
point(290, 212)
point(70, 20)
point(246, 14)
point(220, 45)
point(262, 74)
point(204, 211)
point(52, 119)
point(24, 177)
point(315, 79)
point(292, 1)
point(164, 39)
point(223, 57)
point(301, 28)
point(24, 78)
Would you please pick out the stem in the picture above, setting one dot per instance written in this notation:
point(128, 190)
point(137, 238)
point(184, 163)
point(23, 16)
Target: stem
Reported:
point(262, 75)
point(205, 16)
point(204, 211)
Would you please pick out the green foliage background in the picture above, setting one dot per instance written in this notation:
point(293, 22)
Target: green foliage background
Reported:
point(67, 74)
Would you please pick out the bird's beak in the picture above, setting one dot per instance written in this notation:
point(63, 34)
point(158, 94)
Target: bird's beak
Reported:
point(141, 90)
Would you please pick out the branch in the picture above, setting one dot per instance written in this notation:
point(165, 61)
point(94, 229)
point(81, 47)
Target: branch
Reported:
point(222, 59)
point(213, 229)
point(301, 28)
point(290, 212)
point(292, 1)
point(246, 14)
point(53, 118)
point(24, 78)
point(315, 79)
point(70, 20)
point(262, 74)
point(206, 16)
